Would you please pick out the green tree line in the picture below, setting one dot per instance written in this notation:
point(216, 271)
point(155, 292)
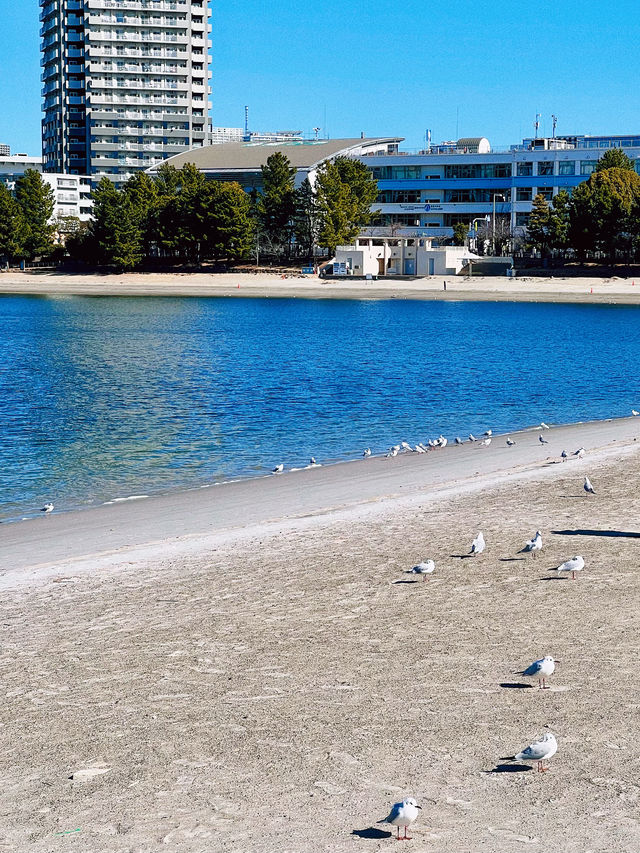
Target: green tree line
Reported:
point(26, 229)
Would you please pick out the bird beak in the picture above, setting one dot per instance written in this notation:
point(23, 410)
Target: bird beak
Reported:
point(419, 807)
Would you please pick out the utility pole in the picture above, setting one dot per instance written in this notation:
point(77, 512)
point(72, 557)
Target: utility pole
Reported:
point(554, 120)
point(536, 123)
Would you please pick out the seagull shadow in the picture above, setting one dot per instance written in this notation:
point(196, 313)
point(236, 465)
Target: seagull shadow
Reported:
point(372, 833)
point(509, 768)
point(512, 559)
point(612, 533)
point(553, 578)
point(579, 497)
point(515, 685)
point(403, 581)
point(462, 556)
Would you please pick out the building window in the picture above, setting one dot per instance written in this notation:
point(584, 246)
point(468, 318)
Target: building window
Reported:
point(525, 169)
point(522, 220)
point(587, 167)
point(524, 193)
point(566, 167)
point(546, 193)
point(478, 170)
point(545, 167)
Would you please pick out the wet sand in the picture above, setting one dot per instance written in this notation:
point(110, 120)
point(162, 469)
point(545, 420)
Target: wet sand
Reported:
point(250, 676)
point(521, 289)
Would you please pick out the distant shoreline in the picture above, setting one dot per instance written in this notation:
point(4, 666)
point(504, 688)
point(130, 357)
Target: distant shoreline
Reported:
point(496, 289)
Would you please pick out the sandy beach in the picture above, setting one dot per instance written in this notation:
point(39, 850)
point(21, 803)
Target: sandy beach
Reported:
point(523, 289)
point(248, 667)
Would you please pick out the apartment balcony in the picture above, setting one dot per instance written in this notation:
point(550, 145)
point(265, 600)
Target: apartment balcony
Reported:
point(142, 67)
point(142, 5)
point(51, 70)
point(50, 24)
point(167, 37)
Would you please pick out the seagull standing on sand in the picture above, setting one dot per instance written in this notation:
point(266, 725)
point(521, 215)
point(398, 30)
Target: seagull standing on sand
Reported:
point(478, 544)
point(472, 437)
point(488, 432)
point(406, 446)
point(47, 508)
point(564, 455)
point(540, 751)
point(533, 545)
point(278, 469)
point(575, 564)
point(486, 442)
point(402, 814)
point(510, 442)
point(367, 453)
point(392, 452)
point(543, 425)
point(579, 452)
point(540, 669)
point(542, 440)
point(420, 449)
point(458, 440)
point(425, 569)
point(634, 413)
point(588, 487)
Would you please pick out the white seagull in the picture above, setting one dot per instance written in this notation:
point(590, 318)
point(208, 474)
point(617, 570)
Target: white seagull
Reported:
point(539, 751)
point(478, 544)
point(575, 564)
point(458, 440)
point(402, 814)
point(564, 455)
point(367, 453)
point(442, 441)
point(486, 442)
point(533, 545)
point(542, 440)
point(392, 452)
point(425, 568)
point(472, 437)
point(588, 487)
point(540, 669)
point(406, 446)
point(579, 452)
point(543, 425)
point(47, 508)
point(510, 442)
point(634, 413)
point(420, 449)
point(488, 432)
point(278, 469)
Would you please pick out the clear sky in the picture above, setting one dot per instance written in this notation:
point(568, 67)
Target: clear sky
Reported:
point(459, 67)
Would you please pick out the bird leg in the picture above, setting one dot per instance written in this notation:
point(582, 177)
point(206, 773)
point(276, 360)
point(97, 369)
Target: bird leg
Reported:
point(573, 576)
point(406, 837)
point(544, 684)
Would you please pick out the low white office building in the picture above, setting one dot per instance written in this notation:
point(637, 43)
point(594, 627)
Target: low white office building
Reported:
point(72, 193)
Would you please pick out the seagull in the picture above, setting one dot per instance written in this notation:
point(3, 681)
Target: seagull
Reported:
point(487, 442)
point(564, 455)
point(406, 446)
point(278, 469)
point(488, 432)
point(542, 440)
point(634, 413)
point(575, 564)
point(543, 425)
point(367, 453)
point(478, 544)
point(392, 452)
point(442, 441)
point(47, 508)
point(458, 440)
point(424, 569)
point(510, 442)
point(579, 452)
point(402, 814)
point(533, 545)
point(540, 751)
point(588, 487)
point(540, 669)
point(420, 449)
point(472, 437)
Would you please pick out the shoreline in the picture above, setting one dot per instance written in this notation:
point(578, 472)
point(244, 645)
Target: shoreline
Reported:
point(111, 530)
point(571, 290)
point(275, 681)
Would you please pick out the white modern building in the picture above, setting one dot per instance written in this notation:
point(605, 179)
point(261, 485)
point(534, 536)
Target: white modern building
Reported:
point(72, 193)
point(125, 83)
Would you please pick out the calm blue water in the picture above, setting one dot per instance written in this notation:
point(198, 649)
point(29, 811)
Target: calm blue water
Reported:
point(109, 397)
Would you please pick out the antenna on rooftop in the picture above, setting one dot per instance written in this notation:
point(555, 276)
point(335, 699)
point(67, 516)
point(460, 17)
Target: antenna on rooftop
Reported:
point(536, 123)
point(554, 120)
point(246, 121)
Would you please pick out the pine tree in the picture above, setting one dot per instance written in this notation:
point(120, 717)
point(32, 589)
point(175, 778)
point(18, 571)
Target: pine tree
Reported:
point(117, 234)
point(36, 201)
point(538, 227)
point(276, 204)
point(306, 219)
point(615, 158)
point(12, 226)
point(345, 191)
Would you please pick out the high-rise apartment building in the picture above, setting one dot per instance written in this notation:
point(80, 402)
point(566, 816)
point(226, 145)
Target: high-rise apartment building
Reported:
point(125, 83)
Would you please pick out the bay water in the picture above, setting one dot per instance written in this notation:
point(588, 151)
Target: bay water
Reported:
point(105, 398)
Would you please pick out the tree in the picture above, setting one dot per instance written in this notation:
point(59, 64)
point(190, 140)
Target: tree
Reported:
point(230, 228)
point(538, 228)
point(142, 192)
point(114, 229)
point(614, 158)
point(306, 219)
point(276, 204)
point(36, 201)
point(603, 212)
point(345, 191)
point(12, 226)
point(559, 220)
point(460, 230)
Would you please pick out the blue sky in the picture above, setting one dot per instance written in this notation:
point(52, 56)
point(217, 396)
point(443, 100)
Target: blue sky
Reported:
point(388, 68)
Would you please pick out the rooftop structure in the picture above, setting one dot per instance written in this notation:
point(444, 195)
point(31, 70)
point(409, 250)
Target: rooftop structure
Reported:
point(242, 161)
point(125, 83)
point(5, 150)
